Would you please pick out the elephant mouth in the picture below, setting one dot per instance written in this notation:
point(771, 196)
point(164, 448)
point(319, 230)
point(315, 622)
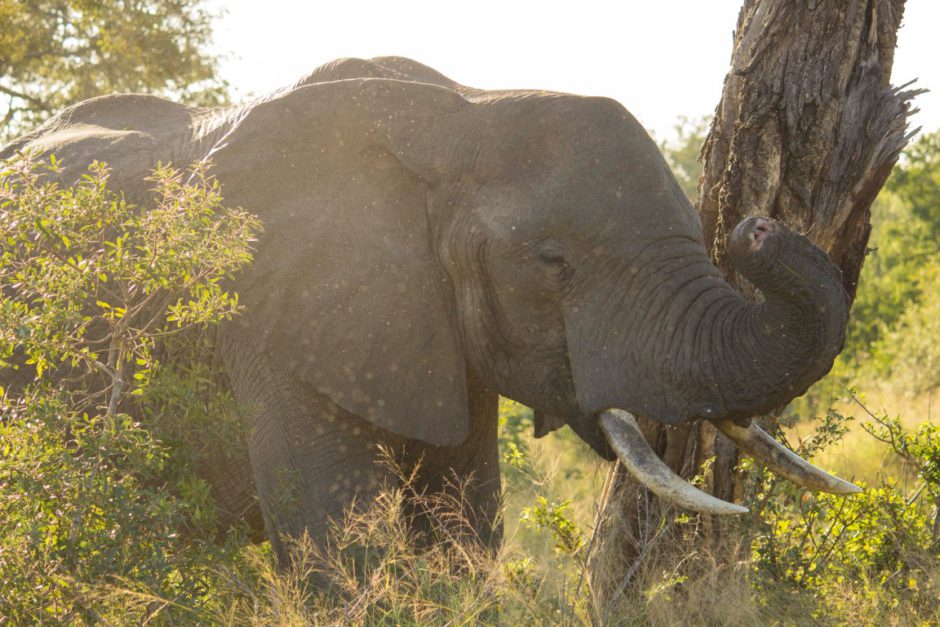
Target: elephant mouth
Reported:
point(634, 452)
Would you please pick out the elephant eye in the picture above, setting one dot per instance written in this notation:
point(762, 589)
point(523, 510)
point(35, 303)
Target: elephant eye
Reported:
point(555, 258)
point(554, 255)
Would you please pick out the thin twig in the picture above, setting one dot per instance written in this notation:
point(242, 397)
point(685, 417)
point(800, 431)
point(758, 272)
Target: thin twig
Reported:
point(598, 520)
point(628, 577)
point(23, 96)
point(916, 494)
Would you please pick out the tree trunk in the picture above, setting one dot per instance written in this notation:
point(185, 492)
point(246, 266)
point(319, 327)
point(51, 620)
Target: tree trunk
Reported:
point(807, 131)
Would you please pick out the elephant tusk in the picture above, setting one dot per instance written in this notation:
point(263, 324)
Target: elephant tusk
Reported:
point(635, 453)
point(761, 446)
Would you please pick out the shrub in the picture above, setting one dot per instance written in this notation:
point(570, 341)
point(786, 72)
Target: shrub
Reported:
point(101, 520)
point(881, 544)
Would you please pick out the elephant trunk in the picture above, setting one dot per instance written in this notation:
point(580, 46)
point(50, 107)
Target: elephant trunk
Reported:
point(673, 341)
point(712, 354)
point(759, 356)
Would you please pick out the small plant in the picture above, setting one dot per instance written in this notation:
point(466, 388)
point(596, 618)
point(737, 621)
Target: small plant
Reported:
point(920, 451)
point(555, 517)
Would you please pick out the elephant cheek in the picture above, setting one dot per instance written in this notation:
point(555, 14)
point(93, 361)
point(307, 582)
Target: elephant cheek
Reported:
point(597, 364)
point(609, 370)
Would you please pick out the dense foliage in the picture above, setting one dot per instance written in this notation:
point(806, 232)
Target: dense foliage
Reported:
point(54, 53)
point(94, 292)
point(885, 541)
point(895, 318)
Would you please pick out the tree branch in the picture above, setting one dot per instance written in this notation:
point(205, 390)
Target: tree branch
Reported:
point(31, 99)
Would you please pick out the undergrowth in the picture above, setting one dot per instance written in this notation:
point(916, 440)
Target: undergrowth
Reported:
point(799, 559)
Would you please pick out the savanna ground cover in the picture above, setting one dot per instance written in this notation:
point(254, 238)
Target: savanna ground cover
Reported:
point(104, 520)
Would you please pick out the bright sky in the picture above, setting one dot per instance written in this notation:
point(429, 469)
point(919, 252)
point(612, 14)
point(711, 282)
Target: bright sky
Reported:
point(660, 59)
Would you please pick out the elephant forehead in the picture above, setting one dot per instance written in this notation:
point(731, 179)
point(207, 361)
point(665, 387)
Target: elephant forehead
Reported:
point(595, 216)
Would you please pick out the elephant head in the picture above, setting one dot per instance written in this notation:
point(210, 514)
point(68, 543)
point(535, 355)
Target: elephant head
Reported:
point(421, 235)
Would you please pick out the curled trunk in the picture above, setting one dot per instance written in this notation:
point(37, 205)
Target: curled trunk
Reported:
point(759, 356)
point(755, 356)
point(693, 347)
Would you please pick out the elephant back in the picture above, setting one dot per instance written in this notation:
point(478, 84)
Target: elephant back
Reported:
point(395, 68)
point(129, 132)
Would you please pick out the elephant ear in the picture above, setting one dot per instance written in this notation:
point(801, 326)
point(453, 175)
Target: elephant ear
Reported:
point(347, 293)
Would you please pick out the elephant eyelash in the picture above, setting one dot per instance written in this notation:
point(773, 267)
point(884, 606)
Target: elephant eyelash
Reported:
point(554, 258)
point(554, 253)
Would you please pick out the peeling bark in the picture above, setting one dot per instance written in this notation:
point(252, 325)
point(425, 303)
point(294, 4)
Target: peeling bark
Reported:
point(808, 127)
point(807, 131)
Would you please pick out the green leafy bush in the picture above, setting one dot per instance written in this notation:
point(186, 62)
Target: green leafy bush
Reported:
point(885, 541)
point(100, 519)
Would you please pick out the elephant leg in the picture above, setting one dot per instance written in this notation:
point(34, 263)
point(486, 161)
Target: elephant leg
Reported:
point(228, 473)
point(310, 459)
point(467, 473)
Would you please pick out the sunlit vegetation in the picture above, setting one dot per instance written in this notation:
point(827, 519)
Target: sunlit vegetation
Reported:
point(98, 431)
point(109, 400)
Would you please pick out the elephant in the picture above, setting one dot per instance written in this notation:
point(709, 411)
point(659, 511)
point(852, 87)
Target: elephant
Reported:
point(428, 247)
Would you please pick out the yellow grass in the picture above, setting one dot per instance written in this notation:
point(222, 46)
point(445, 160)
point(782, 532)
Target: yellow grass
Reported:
point(859, 456)
point(685, 581)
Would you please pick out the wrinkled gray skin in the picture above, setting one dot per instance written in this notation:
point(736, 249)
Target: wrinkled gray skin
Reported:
point(428, 246)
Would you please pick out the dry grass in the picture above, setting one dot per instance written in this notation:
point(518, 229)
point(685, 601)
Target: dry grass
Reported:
point(859, 456)
point(374, 571)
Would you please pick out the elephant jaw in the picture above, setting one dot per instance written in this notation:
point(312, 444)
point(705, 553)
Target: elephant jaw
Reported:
point(634, 452)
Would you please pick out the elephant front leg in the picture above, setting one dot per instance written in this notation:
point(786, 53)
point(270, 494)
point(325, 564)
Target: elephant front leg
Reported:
point(311, 462)
point(467, 476)
point(310, 459)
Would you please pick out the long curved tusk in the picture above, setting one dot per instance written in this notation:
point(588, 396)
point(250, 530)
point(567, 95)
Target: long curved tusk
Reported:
point(631, 447)
point(761, 446)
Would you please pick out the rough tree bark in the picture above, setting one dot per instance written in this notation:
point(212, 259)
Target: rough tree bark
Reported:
point(807, 131)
